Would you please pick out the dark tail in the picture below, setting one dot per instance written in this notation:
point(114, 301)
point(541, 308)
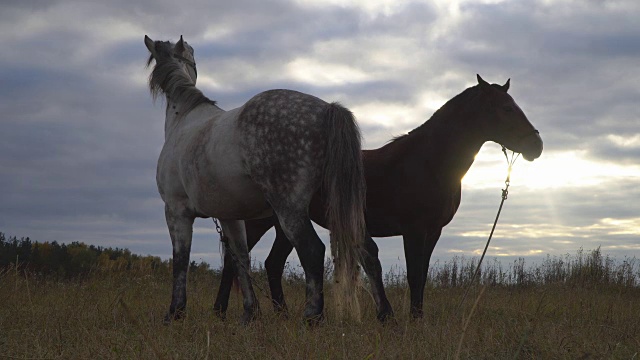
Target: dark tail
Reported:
point(345, 190)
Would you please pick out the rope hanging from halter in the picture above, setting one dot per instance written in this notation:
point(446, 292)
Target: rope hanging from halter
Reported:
point(505, 194)
point(224, 241)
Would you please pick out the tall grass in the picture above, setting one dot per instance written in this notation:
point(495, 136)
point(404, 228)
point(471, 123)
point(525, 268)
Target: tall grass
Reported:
point(581, 306)
point(582, 269)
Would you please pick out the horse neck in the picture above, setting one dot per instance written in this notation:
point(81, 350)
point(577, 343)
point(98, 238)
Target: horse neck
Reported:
point(447, 144)
point(172, 116)
point(181, 94)
point(176, 113)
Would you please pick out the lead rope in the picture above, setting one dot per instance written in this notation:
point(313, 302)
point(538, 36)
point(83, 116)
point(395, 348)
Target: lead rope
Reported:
point(505, 193)
point(225, 243)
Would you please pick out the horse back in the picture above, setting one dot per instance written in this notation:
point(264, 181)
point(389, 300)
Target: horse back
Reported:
point(283, 139)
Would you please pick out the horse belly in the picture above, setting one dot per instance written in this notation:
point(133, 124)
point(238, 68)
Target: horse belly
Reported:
point(231, 198)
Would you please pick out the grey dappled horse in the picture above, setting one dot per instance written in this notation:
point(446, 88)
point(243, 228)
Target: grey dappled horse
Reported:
point(266, 157)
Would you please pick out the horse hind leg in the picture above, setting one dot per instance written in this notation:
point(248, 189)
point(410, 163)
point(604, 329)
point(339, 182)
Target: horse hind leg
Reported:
point(234, 230)
point(298, 228)
point(229, 272)
point(255, 229)
point(180, 225)
point(274, 265)
point(372, 267)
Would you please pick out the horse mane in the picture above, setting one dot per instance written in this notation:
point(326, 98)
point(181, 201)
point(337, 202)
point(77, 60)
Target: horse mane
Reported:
point(168, 77)
point(444, 111)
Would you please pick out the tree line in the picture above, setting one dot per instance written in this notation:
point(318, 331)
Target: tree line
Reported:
point(76, 259)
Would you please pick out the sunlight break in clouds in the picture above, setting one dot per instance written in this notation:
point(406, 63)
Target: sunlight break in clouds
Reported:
point(390, 115)
point(620, 226)
point(371, 7)
point(559, 237)
point(320, 74)
point(628, 142)
point(497, 251)
point(552, 170)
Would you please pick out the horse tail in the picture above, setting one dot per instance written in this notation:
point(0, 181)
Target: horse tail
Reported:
point(345, 190)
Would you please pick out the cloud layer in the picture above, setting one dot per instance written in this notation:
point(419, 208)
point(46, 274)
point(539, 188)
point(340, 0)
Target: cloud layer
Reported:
point(80, 135)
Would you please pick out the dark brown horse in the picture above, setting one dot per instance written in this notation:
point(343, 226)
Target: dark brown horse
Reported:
point(413, 188)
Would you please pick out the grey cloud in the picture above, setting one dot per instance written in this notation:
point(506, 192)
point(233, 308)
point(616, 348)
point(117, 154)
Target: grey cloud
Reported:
point(79, 135)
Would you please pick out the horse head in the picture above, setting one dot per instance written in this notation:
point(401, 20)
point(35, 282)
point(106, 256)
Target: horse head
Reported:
point(181, 53)
point(505, 123)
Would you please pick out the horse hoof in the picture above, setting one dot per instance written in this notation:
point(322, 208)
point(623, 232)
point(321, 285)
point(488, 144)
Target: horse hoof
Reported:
point(386, 317)
point(248, 318)
point(314, 321)
point(283, 314)
point(250, 314)
point(169, 318)
point(417, 314)
point(281, 310)
point(220, 314)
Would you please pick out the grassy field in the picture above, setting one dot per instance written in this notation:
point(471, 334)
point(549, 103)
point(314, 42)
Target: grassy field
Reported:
point(119, 316)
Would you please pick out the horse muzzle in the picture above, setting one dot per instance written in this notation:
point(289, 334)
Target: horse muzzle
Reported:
point(532, 146)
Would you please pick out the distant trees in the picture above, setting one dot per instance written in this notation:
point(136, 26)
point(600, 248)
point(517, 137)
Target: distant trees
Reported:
point(74, 259)
point(585, 268)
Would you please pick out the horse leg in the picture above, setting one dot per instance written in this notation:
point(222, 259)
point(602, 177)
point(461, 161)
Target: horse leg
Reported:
point(226, 282)
point(234, 230)
point(373, 269)
point(180, 225)
point(298, 228)
point(255, 229)
point(417, 249)
point(414, 254)
point(430, 244)
point(274, 265)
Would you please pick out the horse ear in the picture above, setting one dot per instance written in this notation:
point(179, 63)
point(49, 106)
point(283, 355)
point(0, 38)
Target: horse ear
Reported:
point(481, 81)
point(180, 46)
point(150, 44)
point(506, 85)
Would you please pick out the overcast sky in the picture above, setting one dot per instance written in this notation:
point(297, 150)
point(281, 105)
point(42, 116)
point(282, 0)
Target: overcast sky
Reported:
point(80, 135)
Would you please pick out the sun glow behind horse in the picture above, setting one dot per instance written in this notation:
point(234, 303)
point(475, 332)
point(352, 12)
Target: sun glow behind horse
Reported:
point(560, 169)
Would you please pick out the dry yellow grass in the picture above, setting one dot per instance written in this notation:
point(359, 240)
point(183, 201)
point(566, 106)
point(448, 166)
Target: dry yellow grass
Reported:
point(119, 316)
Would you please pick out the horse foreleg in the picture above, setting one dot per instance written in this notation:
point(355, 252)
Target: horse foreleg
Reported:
point(274, 265)
point(417, 249)
point(237, 247)
point(415, 274)
point(371, 264)
point(180, 225)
